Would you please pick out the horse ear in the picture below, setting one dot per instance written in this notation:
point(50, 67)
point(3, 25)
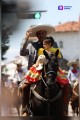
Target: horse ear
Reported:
point(46, 55)
point(56, 53)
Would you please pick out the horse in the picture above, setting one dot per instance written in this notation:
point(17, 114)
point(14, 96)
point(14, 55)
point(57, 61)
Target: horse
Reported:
point(75, 99)
point(10, 99)
point(15, 99)
point(46, 98)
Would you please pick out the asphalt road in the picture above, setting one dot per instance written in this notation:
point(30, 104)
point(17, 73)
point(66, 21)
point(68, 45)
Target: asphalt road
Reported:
point(5, 111)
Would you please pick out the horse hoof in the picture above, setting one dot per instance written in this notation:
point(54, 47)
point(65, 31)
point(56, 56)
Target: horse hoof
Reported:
point(24, 114)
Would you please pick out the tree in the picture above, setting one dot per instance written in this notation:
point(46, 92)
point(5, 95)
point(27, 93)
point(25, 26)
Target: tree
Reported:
point(6, 28)
point(5, 41)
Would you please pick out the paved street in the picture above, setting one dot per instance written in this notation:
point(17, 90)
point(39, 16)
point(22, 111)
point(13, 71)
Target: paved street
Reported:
point(13, 111)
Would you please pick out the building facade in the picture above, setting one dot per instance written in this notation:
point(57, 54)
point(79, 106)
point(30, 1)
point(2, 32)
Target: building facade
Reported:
point(67, 36)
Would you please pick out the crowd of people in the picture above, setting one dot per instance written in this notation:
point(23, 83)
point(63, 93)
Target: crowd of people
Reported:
point(35, 53)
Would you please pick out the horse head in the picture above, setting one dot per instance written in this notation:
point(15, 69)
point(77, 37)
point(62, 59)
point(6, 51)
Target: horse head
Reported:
point(51, 68)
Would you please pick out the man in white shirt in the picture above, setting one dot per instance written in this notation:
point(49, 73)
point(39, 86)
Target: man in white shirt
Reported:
point(73, 72)
point(20, 72)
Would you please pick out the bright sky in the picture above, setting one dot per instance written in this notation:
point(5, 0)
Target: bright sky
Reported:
point(53, 16)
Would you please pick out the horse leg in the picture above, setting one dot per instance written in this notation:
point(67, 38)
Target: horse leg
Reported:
point(24, 97)
point(73, 106)
point(17, 107)
point(76, 106)
point(65, 91)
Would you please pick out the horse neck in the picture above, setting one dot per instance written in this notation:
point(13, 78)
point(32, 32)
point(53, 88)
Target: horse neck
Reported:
point(40, 87)
point(47, 92)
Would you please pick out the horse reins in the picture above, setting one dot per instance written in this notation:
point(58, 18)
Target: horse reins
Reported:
point(42, 98)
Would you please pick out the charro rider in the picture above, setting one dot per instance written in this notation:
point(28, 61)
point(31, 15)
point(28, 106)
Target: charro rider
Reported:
point(30, 49)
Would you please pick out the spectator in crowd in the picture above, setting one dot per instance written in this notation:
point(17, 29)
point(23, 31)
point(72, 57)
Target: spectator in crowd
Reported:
point(73, 72)
point(19, 72)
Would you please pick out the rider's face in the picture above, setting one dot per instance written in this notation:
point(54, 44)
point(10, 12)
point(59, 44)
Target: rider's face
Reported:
point(74, 65)
point(46, 46)
point(19, 67)
point(41, 35)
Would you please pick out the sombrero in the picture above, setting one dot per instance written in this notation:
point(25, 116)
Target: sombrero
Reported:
point(70, 63)
point(3, 64)
point(5, 73)
point(18, 62)
point(48, 28)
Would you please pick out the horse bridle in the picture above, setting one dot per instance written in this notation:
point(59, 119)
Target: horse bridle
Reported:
point(47, 74)
point(39, 97)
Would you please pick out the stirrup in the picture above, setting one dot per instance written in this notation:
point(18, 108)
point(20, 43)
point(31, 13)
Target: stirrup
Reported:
point(27, 110)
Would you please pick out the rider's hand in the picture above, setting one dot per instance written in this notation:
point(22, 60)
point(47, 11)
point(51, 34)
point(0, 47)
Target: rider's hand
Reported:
point(28, 34)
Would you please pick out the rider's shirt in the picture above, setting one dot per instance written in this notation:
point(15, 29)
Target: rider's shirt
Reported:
point(72, 76)
point(52, 50)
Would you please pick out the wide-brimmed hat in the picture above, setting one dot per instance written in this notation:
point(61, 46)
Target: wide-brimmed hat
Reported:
point(70, 63)
point(18, 62)
point(48, 28)
point(5, 73)
point(3, 64)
